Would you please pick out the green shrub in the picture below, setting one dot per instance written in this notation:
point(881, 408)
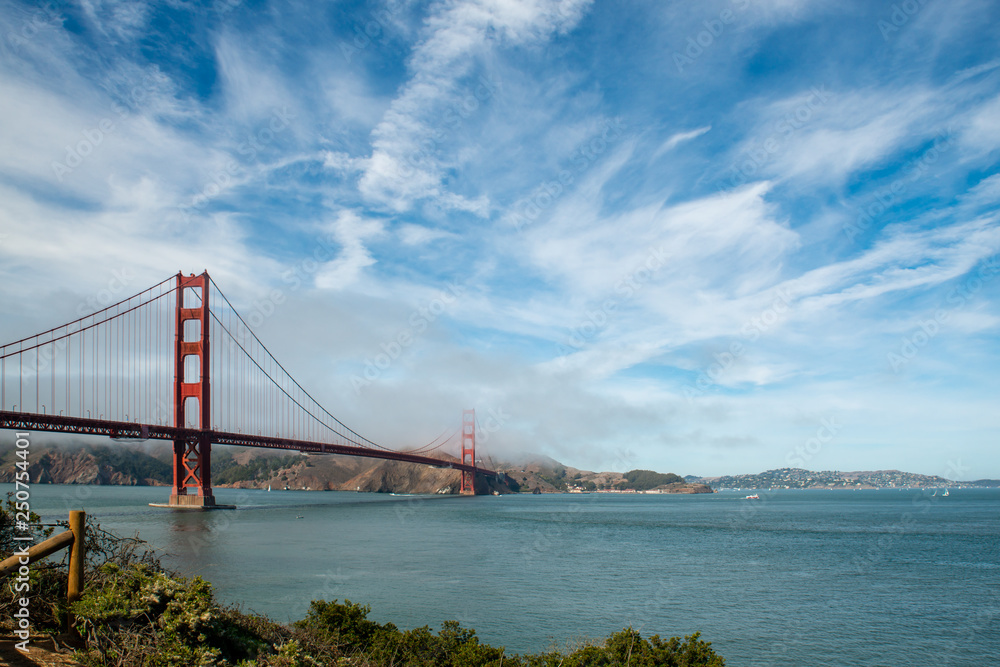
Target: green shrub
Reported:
point(162, 621)
point(341, 624)
point(369, 643)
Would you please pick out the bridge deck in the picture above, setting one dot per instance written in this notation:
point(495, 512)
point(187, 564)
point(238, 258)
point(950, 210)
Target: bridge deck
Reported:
point(23, 421)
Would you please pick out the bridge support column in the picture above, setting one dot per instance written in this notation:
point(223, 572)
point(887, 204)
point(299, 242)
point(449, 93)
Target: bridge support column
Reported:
point(468, 451)
point(192, 470)
point(192, 455)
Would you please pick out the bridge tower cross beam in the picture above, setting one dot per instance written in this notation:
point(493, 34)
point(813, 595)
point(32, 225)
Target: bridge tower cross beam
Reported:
point(468, 450)
point(193, 454)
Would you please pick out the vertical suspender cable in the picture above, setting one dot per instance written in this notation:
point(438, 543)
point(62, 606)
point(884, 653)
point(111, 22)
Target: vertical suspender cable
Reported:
point(52, 376)
point(134, 369)
point(69, 354)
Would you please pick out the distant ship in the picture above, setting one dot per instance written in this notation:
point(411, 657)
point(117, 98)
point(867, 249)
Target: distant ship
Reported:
point(753, 497)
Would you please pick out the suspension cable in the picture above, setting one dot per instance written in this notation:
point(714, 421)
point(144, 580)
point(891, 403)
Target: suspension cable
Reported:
point(289, 376)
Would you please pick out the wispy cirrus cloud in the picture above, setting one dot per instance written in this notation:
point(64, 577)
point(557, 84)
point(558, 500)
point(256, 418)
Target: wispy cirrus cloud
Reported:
point(406, 164)
point(351, 231)
point(674, 212)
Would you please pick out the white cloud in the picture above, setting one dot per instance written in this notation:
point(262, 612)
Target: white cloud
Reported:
point(722, 259)
point(407, 163)
point(417, 235)
point(826, 135)
point(971, 72)
point(983, 131)
point(904, 260)
point(114, 18)
point(340, 161)
point(351, 231)
point(349, 97)
point(719, 243)
point(678, 139)
point(986, 192)
point(253, 86)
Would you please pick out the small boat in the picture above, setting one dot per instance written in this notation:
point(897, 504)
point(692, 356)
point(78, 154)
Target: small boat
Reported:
point(268, 487)
point(945, 494)
point(934, 494)
point(753, 497)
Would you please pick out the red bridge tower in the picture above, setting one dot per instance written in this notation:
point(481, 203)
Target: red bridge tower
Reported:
point(193, 454)
point(468, 450)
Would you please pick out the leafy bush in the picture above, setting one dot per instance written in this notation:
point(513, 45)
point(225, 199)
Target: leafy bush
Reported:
point(157, 620)
point(342, 624)
point(142, 616)
point(8, 526)
point(47, 583)
point(366, 642)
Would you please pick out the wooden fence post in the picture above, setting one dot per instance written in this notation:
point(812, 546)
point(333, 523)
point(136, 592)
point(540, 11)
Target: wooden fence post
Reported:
point(77, 554)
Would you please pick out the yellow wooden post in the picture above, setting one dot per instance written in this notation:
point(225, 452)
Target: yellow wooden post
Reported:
point(77, 553)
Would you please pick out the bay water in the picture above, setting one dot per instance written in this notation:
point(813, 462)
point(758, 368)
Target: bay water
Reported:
point(887, 577)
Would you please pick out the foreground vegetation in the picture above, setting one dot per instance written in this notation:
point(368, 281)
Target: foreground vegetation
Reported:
point(135, 613)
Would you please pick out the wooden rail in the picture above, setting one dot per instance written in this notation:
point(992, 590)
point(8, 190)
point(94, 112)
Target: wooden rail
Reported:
point(73, 539)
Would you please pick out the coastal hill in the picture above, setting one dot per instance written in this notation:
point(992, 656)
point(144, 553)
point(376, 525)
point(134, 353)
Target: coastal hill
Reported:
point(240, 467)
point(797, 478)
point(149, 464)
point(549, 476)
point(121, 465)
point(234, 467)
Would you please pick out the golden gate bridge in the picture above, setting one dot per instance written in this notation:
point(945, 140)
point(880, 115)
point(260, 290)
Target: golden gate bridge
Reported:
point(177, 362)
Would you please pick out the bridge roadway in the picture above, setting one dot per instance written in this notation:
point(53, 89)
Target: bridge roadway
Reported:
point(24, 421)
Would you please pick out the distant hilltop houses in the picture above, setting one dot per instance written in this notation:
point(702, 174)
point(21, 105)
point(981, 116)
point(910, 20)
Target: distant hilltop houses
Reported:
point(797, 478)
point(673, 488)
point(544, 475)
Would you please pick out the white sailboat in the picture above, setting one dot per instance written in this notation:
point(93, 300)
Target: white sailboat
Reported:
point(268, 487)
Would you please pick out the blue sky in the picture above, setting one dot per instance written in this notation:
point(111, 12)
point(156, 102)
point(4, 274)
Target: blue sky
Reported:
point(706, 238)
